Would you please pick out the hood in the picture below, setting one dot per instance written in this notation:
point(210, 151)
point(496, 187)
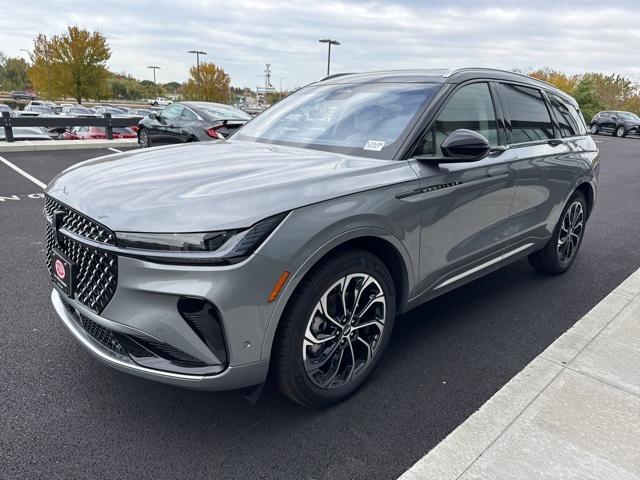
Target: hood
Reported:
point(214, 185)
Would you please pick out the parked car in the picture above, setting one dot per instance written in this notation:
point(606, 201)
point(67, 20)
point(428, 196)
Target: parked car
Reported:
point(77, 111)
point(26, 133)
point(160, 101)
point(352, 200)
point(39, 109)
point(4, 108)
point(89, 133)
point(41, 103)
point(138, 112)
point(21, 95)
point(190, 122)
point(616, 123)
point(115, 112)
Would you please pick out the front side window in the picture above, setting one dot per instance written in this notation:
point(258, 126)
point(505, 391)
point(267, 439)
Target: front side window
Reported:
point(172, 112)
point(367, 119)
point(470, 108)
point(527, 111)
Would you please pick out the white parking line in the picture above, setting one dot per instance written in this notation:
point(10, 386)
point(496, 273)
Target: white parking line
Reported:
point(23, 173)
point(114, 150)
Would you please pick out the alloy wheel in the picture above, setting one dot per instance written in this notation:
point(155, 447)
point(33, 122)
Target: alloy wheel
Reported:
point(571, 231)
point(620, 132)
point(594, 129)
point(144, 140)
point(344, 331)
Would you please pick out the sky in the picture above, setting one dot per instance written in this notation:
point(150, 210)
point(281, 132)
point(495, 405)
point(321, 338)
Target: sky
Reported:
point(243, 35)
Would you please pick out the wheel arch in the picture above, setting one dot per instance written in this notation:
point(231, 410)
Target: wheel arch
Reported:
point(587, 190)
point(379, 242)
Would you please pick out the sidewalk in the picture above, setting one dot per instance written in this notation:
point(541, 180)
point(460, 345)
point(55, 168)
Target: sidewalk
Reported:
point(41, 145)
point(572, 413)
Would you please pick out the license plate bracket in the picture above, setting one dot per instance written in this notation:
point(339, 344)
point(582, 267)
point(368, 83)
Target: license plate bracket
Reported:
point(63, 272)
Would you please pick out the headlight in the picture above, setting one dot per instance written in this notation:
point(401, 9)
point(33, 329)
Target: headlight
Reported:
point(223, 247)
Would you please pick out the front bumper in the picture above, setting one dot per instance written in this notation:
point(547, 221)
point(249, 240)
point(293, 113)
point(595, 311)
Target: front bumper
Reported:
point(145, 306)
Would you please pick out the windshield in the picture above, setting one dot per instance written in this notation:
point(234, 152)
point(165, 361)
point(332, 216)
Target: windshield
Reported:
point(629, 116)
point(359, 119)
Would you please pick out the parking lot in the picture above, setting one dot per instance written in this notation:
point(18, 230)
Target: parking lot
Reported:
point(64, 415)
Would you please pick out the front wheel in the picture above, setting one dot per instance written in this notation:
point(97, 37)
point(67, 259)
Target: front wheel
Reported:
point(561, 250)
point(621, 132)
point(334, 329)
point(594, 129)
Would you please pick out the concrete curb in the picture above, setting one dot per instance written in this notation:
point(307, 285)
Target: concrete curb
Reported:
point(43, 145)
point(573, 412)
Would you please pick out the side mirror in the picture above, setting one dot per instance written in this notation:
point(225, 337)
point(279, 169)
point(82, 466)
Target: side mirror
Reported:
point(153, 116)
point(464, 146)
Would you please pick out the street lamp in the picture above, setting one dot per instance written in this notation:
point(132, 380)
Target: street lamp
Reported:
point(198, 53)
point(154, 68)
point(329, 42)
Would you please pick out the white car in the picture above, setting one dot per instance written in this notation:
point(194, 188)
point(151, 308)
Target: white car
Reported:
point(160, 101)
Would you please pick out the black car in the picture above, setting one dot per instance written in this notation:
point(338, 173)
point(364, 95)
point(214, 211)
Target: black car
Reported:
point(190, 122)
point(619, 124)
point(20, 95)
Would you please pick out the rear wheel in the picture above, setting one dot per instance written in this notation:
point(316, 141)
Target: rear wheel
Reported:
point(143, 138)
point(561, 250)
point(595, 129)
point(621, 132)
point(334, 329)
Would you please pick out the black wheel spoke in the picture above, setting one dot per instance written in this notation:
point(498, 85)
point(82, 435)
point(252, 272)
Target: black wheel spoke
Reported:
point(571, 229)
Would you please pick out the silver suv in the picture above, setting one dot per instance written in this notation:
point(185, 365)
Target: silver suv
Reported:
point(293, 246)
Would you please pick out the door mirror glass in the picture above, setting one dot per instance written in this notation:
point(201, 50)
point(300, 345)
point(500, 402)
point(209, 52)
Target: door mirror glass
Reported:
point(465, 146)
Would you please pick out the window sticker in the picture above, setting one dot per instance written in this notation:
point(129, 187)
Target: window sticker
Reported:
point(374, 145)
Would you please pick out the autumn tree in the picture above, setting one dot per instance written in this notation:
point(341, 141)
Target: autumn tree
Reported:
point(209, 83)
point(585, 95)
point(72, 64)
point(560, 80)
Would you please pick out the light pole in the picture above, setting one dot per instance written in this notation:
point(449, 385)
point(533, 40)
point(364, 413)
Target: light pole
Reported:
point(329, 42)
point(198, 53)
point(154, 68)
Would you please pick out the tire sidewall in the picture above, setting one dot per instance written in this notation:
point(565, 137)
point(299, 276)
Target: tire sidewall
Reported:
point(356, 262)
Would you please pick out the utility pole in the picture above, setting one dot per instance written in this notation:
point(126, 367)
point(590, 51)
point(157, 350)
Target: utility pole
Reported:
point(198, 53)
point(329, 42)
point(154, 68)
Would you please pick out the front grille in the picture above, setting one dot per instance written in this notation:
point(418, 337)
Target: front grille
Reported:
point(103, 336)
point(96, 271)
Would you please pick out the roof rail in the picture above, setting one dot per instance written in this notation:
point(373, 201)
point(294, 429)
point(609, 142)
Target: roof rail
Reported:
point(453, 71)
point(335, 75)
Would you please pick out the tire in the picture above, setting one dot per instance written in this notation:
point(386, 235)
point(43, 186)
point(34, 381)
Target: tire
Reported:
point(594, 129)
point(143, 139)
point(621, 132)
point(559, 253)
point(320, 358)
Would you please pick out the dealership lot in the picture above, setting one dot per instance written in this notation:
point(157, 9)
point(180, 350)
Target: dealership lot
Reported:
point(65, 415)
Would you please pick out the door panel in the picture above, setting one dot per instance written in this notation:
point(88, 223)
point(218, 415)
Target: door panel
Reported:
point(465, 206)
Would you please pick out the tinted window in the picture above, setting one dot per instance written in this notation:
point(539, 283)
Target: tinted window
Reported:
point(471, 108)
point(188, 115)
point(527, 111)
point(567, 123)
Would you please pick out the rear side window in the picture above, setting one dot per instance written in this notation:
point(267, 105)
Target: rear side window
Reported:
point(527, 112)
point(471, 108)
point(567, 123)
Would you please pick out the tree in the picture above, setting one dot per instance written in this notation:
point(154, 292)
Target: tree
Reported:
point(612, 91)
point(209, 83)
point(585, 95)
point(13, 73)
point(560, 80)
point(71, 64)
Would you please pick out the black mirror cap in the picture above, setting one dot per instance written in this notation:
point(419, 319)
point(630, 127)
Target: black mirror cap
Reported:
point(465, 146)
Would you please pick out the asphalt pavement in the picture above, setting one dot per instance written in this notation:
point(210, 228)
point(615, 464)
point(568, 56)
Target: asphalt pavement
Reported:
point(64, 415)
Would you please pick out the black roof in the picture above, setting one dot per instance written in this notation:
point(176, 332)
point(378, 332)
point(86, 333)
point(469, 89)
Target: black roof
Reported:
point(441, 75)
